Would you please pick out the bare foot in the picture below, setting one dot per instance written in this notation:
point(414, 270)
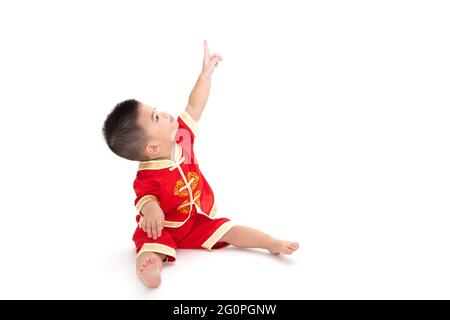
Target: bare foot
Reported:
point(281, 246)
point(148, 267)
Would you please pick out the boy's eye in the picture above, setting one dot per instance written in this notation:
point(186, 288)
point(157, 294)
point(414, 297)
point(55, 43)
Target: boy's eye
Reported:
point(157, 118)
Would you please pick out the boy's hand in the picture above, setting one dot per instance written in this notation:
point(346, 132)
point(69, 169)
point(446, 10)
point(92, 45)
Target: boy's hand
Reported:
point(153, 219)
point(210, 61)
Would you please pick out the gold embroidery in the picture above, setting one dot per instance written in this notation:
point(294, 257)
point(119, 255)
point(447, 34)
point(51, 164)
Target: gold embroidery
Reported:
point(197, 195)
point(176, 189)
point(180, 184)
point(194, 175)
point(184, 207)
point(181, 189)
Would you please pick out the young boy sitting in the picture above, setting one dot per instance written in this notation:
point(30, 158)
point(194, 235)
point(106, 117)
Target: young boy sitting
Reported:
point(174, 202)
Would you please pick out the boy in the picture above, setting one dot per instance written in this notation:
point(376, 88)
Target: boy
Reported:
point(174, 202)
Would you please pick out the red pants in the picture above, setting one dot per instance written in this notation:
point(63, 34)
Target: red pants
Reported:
point(198, 232)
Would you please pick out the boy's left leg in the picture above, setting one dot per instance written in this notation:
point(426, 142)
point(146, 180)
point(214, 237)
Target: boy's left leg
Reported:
point(245, 237)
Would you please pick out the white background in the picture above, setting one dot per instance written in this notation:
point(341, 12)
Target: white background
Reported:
point(327, 124)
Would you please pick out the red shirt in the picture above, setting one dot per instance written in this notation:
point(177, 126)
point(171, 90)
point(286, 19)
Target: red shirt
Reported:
point(178, 186)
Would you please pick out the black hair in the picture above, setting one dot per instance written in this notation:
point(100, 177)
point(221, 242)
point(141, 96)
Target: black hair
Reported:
point(123, 134)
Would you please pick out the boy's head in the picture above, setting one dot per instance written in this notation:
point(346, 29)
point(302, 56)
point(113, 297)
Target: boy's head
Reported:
point(138, 132)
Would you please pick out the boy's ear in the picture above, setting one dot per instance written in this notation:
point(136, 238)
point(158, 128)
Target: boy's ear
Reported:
point(152, 149)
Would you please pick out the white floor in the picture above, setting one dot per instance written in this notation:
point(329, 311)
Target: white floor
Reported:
point(337, 259)
point(81, 273)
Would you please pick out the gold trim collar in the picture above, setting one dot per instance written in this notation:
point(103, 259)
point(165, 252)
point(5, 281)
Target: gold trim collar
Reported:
point(162, 164)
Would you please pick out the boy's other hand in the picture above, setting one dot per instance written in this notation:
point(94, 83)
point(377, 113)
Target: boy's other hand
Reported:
point(153, 219)
point(210, 61)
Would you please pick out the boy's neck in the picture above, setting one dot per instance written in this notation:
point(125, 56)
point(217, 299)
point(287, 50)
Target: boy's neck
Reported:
point(168, 153)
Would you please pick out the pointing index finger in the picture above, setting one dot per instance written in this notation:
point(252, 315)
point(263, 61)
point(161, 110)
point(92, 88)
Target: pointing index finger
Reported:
point(205, 44)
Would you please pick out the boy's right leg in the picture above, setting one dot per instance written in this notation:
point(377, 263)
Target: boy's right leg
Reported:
point(150, 255)
point(148, 267)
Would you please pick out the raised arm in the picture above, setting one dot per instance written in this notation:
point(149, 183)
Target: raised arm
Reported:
point(200, 92)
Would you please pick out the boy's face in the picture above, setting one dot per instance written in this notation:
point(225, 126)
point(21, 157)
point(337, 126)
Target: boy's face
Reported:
point(160, 126)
